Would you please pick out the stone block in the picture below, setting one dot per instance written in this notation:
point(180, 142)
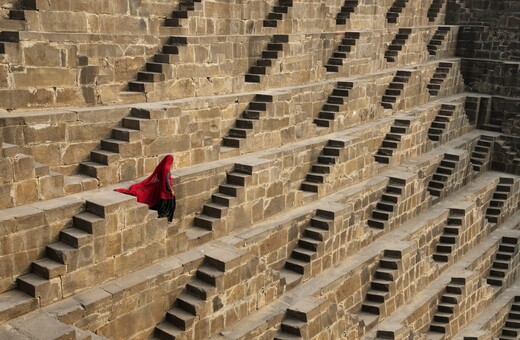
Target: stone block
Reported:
point(25, 192)
point(43, 55)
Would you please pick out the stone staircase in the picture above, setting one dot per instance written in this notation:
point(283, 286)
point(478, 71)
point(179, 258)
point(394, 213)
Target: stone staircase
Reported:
point(511, 328)
point(449, 238)
point(328, 158)
point(334, 104)
point(348, 7)
point(75, 249)
point(300, 319)
point(440, 179)
point(193, 304)
point(502, 194)
point(481, 154)
point(182, 12)
point(269, 55)
point(441, 122)
point(229, 194)
point(387, 204)
point(277, 13)
point(310, 246)
point(397, 43)
point(395, 89)
point(437, 39)
point(392, 141)
point(434, 9)
point(248, 122)
point(383, 282)
point(504, 261)
point(448, 305)
point(438, 78)
point(395, 11)
point(339, 56)
point(159, 69)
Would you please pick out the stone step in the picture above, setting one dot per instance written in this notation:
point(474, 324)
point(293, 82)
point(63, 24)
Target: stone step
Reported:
point(297, 266)
point(376, 295)
point(76, 237)
point(293, 326)
point(201, 289)
point(372, 307)
point(210, 275)
point(312, 239)
point(304, 254)
point(14, 303)
point(321, 223)
point(48, 268)
point(190, 303)
point(380, 284)
point(386, 274)
point(316, 233)
point(223, 199)
point(167, 331)
point(180, 318)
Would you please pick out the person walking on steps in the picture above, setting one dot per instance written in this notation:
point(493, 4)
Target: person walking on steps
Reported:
point(157, 190)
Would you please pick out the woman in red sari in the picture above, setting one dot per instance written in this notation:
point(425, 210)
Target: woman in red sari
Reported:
point(157, 190)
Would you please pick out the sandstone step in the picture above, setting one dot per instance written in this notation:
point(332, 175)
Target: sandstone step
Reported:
point(210, 275)
point(380, 284)
point(36, 286)
point(223, 199)
point(75, 237)
point(376, 295)
point(14, 303)
point(206, 222)
point(372, 307)
point(386, 274)
point(377, 223)
point(303, 254)
point(316, 233)
point(167, 331)
point(89, 222)
point(180, 318)
point(293, 326)
point(48, 268)
point(296, 265)
point(309, 243)
point(190, 303)
point(389, 263)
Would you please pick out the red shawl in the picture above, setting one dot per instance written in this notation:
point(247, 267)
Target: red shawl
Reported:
point(154, 188)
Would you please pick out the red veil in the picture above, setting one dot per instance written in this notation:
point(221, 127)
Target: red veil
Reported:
point(153, 188)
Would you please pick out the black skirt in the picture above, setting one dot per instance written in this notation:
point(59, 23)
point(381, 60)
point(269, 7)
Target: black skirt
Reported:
point(165, 208)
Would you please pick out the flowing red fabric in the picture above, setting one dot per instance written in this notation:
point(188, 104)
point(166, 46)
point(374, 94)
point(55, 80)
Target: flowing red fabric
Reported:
point(153, 188)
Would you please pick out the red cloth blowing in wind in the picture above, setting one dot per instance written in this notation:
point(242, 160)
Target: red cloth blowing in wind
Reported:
point(153, 188)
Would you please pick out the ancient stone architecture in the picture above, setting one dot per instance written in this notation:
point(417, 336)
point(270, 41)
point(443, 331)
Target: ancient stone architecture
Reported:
point(345, 169)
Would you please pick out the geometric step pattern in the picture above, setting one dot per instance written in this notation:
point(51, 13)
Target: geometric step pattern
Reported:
point(339, 56)
point(503, 261)
point(344, 14)
point(392, 140)
point(444, 170)
point(8, 37)
point(156, 70)
point(449, 301)
point(311, 243)
point(394, 89)
point(435, 84)
point(500, 196)
point(185, 6)
point(387, 204)
point(296, 322)
point(511, 328)
point(481, 154)
point(227, 196)
point(122, 143)
point(190, 304)
point(434, 9)
point(437, 39)
point(384, 278)
point(449, 238)
point(334, 103)
point(440, 122)
point(395, 10)
point(72, 251)
point(277, 13)
point(397, 44)
point(271, 53)
point(328, 157)
point(245, 125)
